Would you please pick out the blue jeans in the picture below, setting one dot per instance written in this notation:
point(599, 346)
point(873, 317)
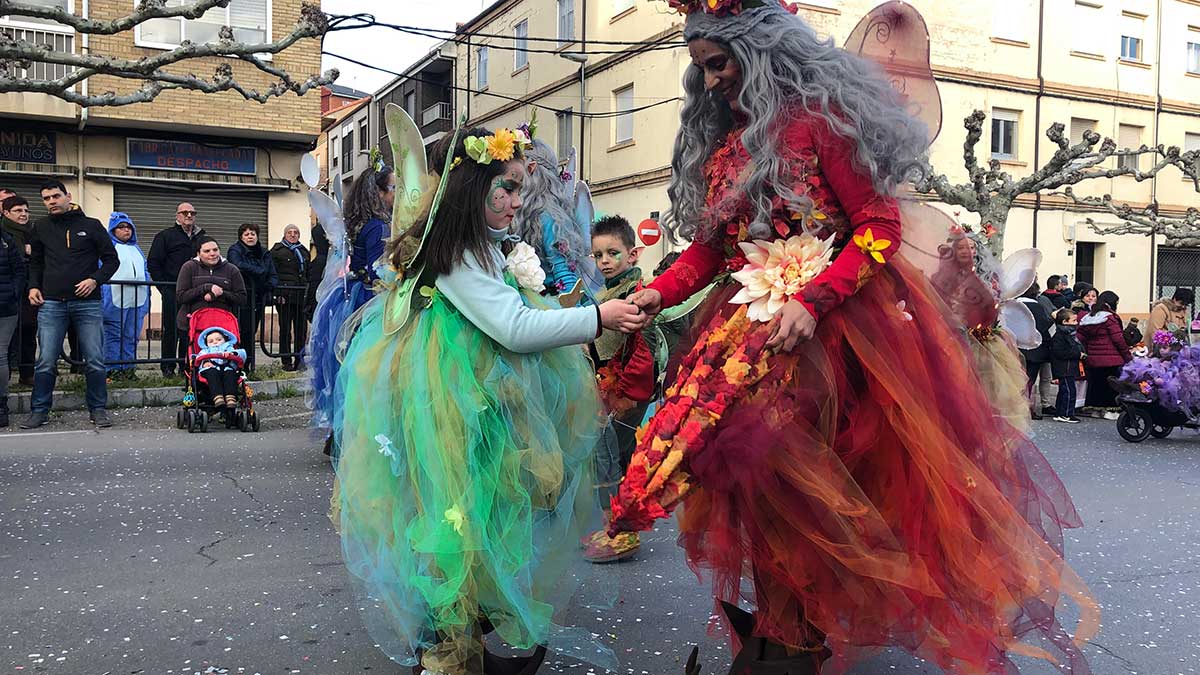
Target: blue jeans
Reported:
point(1066, 397)
point(53, 319)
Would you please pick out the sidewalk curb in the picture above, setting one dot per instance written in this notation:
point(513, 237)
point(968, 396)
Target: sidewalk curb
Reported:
point(18, 403)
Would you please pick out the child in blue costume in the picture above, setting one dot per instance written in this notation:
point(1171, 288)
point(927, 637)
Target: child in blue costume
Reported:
point(220, 369)
point(367, 215)
point(125, 306)
point(466, 424)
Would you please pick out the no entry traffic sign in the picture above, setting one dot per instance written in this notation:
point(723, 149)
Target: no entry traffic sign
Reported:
point(649, 232)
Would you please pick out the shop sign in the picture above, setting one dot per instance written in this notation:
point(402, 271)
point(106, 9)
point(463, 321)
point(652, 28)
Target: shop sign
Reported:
point(28, 146)
point(185, 156)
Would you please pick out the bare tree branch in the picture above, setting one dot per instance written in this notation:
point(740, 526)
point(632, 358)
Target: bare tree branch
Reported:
point(145, 11)
point(151, 70)
point(1181, 231)
point(991, 193)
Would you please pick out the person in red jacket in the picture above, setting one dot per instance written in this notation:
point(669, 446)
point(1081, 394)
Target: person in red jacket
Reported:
point(1102, 334)
point(628, 378)
point(834, 445)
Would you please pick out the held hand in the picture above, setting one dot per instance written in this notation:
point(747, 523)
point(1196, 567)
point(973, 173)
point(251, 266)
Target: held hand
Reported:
point(648, 300)
point(217, 291)
point(35, 297)
point(85, 288)
point(208, 297)
point(620, 315)
point(793, 325)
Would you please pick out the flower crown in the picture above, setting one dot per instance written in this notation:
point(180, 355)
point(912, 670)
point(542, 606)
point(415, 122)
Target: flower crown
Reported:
point(501, 146)
point(719, 7)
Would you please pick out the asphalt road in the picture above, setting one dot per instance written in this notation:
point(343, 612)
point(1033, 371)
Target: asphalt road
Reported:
point(143, 549)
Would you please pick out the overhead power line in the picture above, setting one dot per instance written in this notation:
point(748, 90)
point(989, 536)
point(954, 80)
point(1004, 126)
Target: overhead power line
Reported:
point(557, 111)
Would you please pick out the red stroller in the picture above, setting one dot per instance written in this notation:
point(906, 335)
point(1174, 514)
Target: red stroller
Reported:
point(198, 410)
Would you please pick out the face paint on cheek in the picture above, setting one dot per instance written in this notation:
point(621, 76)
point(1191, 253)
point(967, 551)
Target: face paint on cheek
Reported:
point(495, 203)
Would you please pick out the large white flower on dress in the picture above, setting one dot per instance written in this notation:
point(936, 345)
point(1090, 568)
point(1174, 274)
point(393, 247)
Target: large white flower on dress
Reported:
point(777, 270)
point(526, 268)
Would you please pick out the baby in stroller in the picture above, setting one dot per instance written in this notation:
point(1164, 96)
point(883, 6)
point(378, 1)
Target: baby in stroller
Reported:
point(218, 363)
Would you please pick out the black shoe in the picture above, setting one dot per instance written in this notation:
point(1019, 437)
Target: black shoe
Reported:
point(100, 418)
point(1049, 410)
point(35, 420)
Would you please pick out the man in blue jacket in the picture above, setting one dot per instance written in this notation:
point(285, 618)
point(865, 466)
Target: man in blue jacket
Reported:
point(72, 256)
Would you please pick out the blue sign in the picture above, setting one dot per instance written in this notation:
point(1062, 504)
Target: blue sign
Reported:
point(28, 146)
point(182, 156)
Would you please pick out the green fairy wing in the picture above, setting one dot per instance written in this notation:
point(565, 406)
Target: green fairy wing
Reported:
point(412, 168)
point(399, 302)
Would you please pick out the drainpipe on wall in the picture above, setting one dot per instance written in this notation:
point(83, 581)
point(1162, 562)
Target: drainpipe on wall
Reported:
point(1037, 115)
point(83, 111)
point(582, 84)
point(1157, 114)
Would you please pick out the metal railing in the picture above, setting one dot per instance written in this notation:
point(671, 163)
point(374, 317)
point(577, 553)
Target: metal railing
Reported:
point(148, 337)
point(435, 112)
point(55, 41)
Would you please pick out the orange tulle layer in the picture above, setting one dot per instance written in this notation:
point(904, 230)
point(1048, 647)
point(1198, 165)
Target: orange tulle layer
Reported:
point(862, 485)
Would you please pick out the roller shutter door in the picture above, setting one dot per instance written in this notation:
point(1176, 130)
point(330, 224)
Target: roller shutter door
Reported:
point(29, 186)
point(219, 213)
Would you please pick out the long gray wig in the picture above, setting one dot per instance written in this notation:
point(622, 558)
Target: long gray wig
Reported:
point(784, 65)
point(545, 192)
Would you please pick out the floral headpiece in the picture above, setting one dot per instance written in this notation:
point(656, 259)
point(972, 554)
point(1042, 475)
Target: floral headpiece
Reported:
point(721, 7)
point(501, 146)
point(375, 159)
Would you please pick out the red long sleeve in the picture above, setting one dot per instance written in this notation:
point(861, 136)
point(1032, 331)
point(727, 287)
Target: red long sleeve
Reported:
point(866, 209)
point(693, 271)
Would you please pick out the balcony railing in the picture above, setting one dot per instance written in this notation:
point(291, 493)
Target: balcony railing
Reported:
point(54, 40)
point(435, 112)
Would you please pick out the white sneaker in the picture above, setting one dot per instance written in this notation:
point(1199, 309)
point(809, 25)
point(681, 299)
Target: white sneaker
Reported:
point(1064, 420)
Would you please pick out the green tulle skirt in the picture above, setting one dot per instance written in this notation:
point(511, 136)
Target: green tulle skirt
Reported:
point(464, 487)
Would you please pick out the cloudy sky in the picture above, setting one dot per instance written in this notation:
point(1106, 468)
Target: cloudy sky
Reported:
point(384, 47)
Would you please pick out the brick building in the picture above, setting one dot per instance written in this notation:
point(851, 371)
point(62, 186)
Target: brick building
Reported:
point(237, 161)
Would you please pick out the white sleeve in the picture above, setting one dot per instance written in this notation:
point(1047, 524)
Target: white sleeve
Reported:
point(497, 309)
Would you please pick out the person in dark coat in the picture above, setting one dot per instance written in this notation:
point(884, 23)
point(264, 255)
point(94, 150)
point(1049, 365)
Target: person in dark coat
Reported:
point(1038, 358)
point(22, 350)
point(258, 271)
point(73, 256)
point(1103, 340)
point(12, 289)
point(291, 266)
point(1054, 294)
point(208, 280)
point(170, 249)
point(1065, 355)
point(1133, 333)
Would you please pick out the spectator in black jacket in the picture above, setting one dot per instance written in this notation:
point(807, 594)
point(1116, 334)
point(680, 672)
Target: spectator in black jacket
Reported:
point(1066, 352)
point(72, 256)
point(171, 248)
point(291, 266)
point(1037, 360)
point(1054, 294)
point(12, 288)
point(318, 251)
point(22, 350)
point(258, 271)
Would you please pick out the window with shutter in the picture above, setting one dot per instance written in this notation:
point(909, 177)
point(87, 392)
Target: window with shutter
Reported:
point(1089, 29)
point(1129, 137)
point(1004, 133)
point(1191, 142)
point(1010, 19)
point(1080, 125)
point(481, 73)
point(565, 135)
point(566, 20)
point(1133, 27)
point(249, 19)
point(624, 123)
point(1193, 56)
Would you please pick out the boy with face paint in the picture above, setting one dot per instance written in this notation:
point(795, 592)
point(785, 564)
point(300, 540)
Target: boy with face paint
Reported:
point(627, 375)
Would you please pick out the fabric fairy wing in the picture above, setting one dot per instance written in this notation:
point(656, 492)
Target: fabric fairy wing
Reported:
point(585, 215)
point(1018, 272)
point(399, 301)
point(894, 35)
point(329, 215)
point(412, 168)
point(1017, 320)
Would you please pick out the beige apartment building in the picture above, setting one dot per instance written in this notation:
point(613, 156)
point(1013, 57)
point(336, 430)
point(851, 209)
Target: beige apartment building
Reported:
point(1128, 69)
point(237, 161)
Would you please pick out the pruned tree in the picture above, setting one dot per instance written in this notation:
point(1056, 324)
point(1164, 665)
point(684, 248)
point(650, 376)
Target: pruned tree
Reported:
point(154, 72)
point(991, 193)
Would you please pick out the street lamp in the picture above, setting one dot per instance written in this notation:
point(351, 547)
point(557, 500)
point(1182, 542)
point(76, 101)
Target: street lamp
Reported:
point(582, 60)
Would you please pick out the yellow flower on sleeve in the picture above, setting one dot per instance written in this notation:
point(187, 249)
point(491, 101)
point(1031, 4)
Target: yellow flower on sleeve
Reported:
point(869, 245)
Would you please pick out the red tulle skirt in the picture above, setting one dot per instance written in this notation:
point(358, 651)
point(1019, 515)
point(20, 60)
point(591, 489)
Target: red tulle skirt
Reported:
point(863, 487)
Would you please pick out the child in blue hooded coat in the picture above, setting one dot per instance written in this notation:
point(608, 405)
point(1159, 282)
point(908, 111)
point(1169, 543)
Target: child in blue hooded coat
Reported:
point(221, 374)
point(125, 306)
